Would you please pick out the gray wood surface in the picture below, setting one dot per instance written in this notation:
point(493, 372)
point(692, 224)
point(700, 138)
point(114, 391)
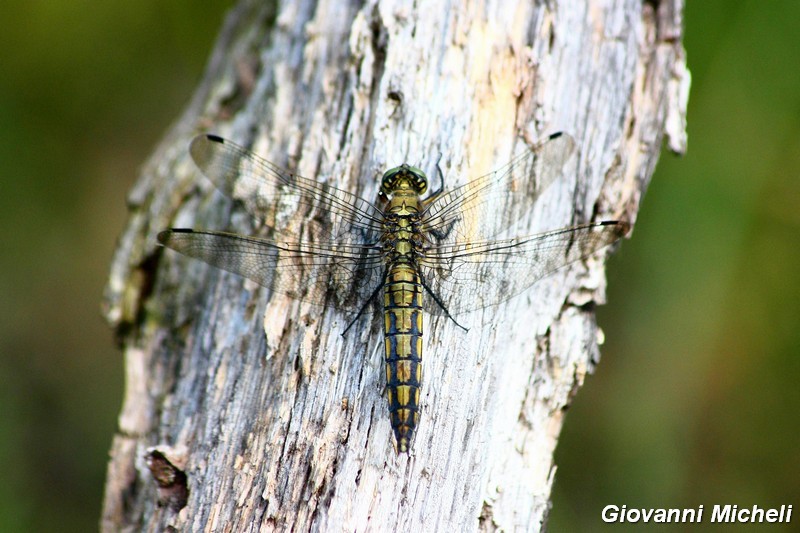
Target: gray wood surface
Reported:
point(276, 420)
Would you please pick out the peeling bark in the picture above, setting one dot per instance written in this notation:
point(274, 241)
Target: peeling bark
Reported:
point(280, 422)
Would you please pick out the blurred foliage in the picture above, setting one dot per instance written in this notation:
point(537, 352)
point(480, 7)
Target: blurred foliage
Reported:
point(86, 91)
point(695, 400)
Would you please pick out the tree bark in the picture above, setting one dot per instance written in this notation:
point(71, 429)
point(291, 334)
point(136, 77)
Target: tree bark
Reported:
point(235, 423)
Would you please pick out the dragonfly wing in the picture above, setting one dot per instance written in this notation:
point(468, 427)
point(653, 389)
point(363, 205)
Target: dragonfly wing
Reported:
point(475, 275)
point(267, 190)
point(499, 202)
point(343, 275)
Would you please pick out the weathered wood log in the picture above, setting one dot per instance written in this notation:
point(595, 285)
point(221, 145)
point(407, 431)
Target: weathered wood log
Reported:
point(235, 423)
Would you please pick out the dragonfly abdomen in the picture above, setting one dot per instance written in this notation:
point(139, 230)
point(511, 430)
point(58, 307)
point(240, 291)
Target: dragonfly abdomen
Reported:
point(402, 313)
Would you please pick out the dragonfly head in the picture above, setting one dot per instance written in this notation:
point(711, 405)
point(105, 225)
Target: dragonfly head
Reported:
point(404, 178)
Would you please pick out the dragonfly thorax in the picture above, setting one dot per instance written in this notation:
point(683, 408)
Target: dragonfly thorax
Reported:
point(404, 178)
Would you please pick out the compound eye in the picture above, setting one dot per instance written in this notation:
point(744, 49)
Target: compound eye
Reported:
point(420, 179)
point(389, 179)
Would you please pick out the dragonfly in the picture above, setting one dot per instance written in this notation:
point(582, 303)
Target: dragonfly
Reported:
point(443, 253)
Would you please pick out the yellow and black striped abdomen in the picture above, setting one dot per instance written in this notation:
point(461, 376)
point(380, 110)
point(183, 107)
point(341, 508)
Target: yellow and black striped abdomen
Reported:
point(402, 314)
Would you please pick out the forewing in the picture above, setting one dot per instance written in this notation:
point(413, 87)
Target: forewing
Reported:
point(475, 275)
point(498, 203)
point(338, 274)
point(267, 191)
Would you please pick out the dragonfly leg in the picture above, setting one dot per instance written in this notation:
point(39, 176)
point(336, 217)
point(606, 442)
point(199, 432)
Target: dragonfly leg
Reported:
point(440, 190)
point(439, 302)
point(364, 307)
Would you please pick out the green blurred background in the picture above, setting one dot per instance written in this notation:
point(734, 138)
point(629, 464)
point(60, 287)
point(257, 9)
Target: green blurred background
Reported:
point(696, 398)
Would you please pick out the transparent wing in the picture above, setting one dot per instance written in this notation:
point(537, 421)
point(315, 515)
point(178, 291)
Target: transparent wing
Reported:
point(272, 194)
point(498, 202)
point(321, 273)
point(324, 242)
point(473, 258)
point(474, 275)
